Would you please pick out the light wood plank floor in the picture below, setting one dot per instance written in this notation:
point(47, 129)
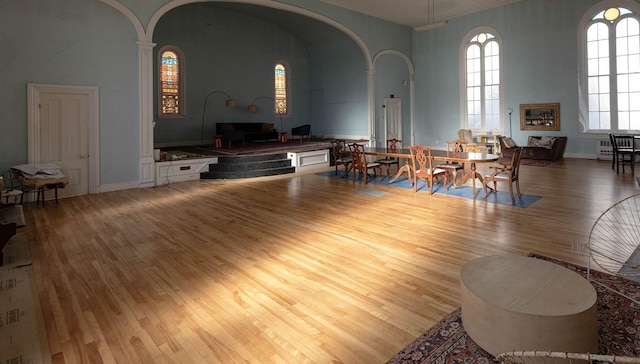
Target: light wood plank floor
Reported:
point(295, 269)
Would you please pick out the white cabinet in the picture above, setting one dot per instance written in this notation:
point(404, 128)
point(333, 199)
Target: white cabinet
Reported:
point(181, 170)
point(314, 159)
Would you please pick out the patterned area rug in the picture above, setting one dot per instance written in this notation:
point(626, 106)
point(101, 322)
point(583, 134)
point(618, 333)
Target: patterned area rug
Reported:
point(618, 326)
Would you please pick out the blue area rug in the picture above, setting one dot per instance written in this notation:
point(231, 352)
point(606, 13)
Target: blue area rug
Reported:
point(501, 197)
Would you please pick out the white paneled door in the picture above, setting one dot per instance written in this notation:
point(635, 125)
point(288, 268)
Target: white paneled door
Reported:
point(60, 132)
point(393, 119)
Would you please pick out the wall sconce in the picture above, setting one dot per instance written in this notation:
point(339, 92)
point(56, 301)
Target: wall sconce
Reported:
point(229, 102)
point(277, 111)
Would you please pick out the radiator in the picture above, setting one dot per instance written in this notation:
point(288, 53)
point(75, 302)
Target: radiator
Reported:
point(604, 149)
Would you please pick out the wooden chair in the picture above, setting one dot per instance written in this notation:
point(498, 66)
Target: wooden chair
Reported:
point(613, 151)
point(625, 152)
point(455, 147)
point(392, 146)
point(341, 155)
point(509, 173)
point(359, 162)
point(423, 167)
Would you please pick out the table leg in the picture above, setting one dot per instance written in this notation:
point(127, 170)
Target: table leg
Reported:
point(405, 168)
point(473, 175)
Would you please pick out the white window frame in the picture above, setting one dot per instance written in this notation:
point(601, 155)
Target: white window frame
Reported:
point(583, 98)
point(463, 80)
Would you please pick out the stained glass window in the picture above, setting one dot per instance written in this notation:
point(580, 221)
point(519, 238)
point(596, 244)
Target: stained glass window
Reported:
point(280, 89)
point(170, 83)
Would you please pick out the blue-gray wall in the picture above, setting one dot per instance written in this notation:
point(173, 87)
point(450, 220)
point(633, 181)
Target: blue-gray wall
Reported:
point(88, 42)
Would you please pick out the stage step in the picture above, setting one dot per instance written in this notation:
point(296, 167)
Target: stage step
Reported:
point(248, 166)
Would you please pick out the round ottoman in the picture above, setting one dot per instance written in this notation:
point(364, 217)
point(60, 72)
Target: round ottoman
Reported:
point(512, 302)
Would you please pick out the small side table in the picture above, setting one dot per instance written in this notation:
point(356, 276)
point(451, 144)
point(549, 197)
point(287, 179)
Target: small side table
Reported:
point(283, 137)
point(42, 184)
point(217, 141)
point(491, 141)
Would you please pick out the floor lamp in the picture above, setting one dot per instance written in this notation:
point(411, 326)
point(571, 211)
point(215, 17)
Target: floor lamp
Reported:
point(228, 103)
point(253, 108)
point(510, 111)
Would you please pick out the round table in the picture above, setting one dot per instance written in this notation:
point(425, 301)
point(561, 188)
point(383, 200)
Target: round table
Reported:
point(512, 302)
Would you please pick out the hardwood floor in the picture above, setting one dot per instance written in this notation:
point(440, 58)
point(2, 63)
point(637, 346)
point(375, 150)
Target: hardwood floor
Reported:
point(293, 269)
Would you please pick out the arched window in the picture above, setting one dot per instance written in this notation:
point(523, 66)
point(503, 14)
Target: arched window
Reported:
point(609, 68)
point(281, 89)
point(481, 69)
point(171, 82)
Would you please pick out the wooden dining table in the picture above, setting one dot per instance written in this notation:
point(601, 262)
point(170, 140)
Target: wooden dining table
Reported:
point(438, 155)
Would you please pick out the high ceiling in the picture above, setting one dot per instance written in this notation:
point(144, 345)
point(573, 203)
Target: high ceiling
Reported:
point(416, 13)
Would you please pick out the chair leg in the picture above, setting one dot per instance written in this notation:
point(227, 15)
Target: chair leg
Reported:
point(511, 192)
point(518, 187)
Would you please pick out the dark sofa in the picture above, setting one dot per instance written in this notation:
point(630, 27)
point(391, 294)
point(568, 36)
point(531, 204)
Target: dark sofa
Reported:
point(246, 132)
point(547, 148)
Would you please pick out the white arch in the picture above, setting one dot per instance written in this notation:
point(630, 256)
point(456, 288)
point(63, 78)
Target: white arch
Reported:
point(412, 98)
point(137, 24)
point(145, 43)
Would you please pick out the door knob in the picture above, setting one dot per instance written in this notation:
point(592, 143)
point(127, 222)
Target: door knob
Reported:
point(84, 156)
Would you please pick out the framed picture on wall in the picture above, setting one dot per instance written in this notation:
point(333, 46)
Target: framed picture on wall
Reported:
point(540, 116)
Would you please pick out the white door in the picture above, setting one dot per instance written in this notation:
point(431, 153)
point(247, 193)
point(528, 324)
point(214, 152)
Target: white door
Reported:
point(63, 116)
point(393, 119)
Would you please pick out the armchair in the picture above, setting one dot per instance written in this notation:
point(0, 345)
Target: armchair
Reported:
point(509, 173)
point(302, 131)
point(466, 135)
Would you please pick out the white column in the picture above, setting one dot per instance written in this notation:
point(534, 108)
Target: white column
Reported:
point(146, 113)
point(372, 107)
